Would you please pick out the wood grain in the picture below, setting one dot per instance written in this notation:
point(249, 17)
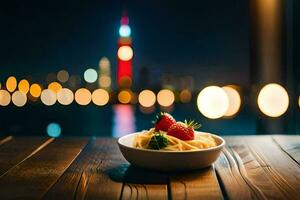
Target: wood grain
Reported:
point(289, 144)
point(17, 150)
point(254, 172)
point(231, 178)
point(142, 191)
point(87, 177)
point(280, 171)
point(250, 167)
point(200, 184)
point(283, 170)
point(144, 184)
point(33, 177)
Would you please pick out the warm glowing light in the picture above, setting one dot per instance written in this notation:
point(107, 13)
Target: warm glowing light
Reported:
point(273, 100)
point(35, 90)
point(213, 102)
point(53, 130)
point(104, 65)
point(19, 98)
point(104, 81)
point(147, 98)
point(83, 96)
point(90, 75)
point(185, 96)
point(63, 76)
point(124, 31)
point(48, 97)
point(100, 97)
point(23, 86)
point(165, 97)
point(124, 96)
point(125, 53)
point(234, 101)
point(11, 84)
point(4, 98)
point(299, 101)
point(65, 96)
point(55, 87)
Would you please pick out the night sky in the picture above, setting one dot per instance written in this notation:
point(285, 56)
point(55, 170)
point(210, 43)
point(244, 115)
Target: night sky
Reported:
point(206, 39)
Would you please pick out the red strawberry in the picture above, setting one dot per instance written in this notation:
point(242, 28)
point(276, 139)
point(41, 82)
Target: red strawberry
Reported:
point(183, 131)
point(163, 121)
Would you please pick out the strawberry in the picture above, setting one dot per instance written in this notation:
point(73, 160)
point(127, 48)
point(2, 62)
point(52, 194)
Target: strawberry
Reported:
point(163, 121)
point(183, 131)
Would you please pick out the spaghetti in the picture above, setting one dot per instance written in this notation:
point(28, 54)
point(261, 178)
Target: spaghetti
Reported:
point(201, 141)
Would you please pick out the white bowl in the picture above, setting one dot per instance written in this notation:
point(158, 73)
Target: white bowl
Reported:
point(169, 160)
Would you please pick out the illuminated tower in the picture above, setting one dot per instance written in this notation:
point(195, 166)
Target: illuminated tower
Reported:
point(125, 55)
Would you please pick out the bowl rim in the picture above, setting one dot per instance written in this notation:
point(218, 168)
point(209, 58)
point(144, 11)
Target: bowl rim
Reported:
point(220, 146)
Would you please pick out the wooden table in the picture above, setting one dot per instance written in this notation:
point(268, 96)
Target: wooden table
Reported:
point(250, 167)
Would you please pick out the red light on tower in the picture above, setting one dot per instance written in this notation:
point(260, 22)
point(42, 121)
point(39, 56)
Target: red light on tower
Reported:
point(125, 54)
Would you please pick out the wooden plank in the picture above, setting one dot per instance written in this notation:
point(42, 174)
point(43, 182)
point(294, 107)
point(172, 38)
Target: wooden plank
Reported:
point(283, 170)
point(88, 176)
point(144, 184)
point(201, 184)
point(269, 169)
point(230, 177)
point(253, 171)
point(17, 150)
point(142, 191)
point(99, 172)
point(32, 178)
point(289, 144)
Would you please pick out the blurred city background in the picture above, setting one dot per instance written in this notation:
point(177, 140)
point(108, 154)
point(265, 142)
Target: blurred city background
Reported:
point(106, 68)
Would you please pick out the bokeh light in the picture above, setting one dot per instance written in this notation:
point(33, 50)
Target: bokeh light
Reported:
point(125, 53)
point(65, 96)
point(273, 100)
point(124, 31)
point(124, 96)
point(147, 98)
point(35, 90)
point(48, 97)
point(83, 96)
point(63, 76)
point(213, 102)
point(23, 86)
point(100, 97)
point(53, 130)
point(4, 98)
point(165, 97)
point(90, 75)
point(104, 81)
point(104, 65)
point(19, 98)
point(11, 84)
point(185, 96)
point(55, 87)
point(234, 100)
point(299, 101)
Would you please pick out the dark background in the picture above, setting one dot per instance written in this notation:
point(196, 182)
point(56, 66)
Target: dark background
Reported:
point(208, 40)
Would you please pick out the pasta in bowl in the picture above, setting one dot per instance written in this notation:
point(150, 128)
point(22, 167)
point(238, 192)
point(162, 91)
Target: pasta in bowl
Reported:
point(201, 141)
point(171, 145)
point(170, 160)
